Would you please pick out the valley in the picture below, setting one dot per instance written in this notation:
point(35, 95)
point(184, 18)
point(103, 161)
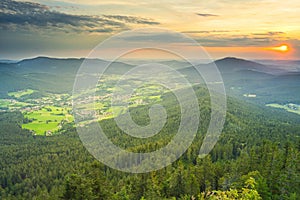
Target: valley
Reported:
point(259, 143)
point(45, 108)
point(42, 116)
point(46, 114)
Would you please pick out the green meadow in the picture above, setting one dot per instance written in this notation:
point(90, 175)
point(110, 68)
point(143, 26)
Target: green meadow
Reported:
point(286, 107)
point(21, 93)
point(41, 118)
point(4, 103)
point(12, 104)
point(46, 119)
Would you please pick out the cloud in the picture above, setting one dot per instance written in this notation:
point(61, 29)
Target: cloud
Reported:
point(236, 40)
point(215, 38)
point(206, 32)
point(206, 15)
point(28, 15)
point(131, 19)
point(271, 33)
point(155, 36)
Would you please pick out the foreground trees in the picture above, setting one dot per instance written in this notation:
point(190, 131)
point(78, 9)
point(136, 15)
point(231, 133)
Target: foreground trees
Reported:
point(253, 159)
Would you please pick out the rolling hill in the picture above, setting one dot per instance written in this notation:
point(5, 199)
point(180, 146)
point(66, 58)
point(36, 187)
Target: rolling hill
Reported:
point(267, 82)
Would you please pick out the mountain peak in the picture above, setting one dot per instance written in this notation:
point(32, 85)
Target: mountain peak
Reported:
point(231, 64)
point(230, 58)
point(233, 61)
point(45, 58)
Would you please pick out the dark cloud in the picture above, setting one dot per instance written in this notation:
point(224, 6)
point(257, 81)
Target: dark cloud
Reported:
point(271, 33)
point(15, 14)
point(213, 38)
point(206, 15)
point(208, 38)
point(232, 41)
point(131, 19)
point(229, 38)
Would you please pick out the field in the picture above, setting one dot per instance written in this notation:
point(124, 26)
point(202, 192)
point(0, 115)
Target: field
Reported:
point(46, 120)
point(11, 104)
point(4, 103)
point(45, 115)
point(42, 116)
point(21, 93)
point(294, 108)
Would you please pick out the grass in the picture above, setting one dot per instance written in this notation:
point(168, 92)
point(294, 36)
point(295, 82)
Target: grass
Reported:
point(285, 107)
point(18, 105)
point(12, 104)
point(41, 128)
point(46, 119)
point(21, 93)
point(4, 103)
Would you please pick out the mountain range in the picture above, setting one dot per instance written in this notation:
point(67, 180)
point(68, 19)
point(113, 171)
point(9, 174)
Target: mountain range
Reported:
point(268, 82)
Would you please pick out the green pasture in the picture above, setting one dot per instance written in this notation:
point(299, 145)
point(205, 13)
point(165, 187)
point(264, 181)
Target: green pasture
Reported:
point(6, 103)
point(46, 119)
point(21, 93)
point(285, 107)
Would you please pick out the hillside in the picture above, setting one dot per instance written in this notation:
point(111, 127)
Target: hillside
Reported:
point(46, 74)
point(257, 155)
point(240, 77)
point(257, 144)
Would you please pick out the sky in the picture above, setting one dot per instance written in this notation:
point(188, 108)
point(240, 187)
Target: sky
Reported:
point(253, 29)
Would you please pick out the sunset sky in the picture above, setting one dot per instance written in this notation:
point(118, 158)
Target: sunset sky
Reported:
point(253, 29)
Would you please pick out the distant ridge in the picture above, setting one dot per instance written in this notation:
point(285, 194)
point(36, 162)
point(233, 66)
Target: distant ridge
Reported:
point(42, 60)
point(240, 61)
point(45, 58)
point(232, 64)
point(240, 76)
point(226, 60)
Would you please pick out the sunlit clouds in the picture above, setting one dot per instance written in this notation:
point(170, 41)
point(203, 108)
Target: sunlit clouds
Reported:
point(252, 29)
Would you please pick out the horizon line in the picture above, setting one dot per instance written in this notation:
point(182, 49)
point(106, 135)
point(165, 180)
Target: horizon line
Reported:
point(2, 60)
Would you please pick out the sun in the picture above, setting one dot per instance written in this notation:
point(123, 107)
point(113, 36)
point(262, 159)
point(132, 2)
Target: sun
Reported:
point(281, 48)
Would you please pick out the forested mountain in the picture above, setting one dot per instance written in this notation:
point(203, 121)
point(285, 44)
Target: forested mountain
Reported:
point(46, 74)
point(268, 82)
point(256, 157)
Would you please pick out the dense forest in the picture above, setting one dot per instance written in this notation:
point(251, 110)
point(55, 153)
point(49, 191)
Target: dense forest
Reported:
point(256, 157)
